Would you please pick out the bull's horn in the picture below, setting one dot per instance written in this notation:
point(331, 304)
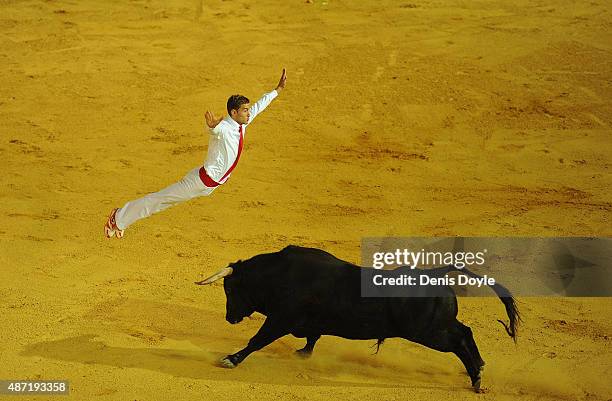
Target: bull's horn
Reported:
point(226, 271)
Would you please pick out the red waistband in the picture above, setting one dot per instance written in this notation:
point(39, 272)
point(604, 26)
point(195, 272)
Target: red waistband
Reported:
point(209, 182)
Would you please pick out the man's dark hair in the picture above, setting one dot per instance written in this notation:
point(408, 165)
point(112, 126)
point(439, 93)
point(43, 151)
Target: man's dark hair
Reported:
point(235, 101)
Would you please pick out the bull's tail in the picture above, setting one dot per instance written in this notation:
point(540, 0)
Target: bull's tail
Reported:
point(502, 292)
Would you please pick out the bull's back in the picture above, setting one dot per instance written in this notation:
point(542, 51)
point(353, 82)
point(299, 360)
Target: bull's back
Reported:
point(327, 300)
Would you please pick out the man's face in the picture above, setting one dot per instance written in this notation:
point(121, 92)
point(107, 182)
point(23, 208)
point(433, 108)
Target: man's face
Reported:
point(242, 115)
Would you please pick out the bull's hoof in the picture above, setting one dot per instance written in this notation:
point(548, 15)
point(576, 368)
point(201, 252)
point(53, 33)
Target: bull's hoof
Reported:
point(477, 388)
point(227, 363)
point(476, 385)
point(304, 354)
point(476, 381)
point(481, 390)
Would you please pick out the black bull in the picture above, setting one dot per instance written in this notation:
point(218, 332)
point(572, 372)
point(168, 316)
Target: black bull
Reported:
point(308, 293)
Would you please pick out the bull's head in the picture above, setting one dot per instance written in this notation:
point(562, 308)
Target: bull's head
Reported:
point(238, 305)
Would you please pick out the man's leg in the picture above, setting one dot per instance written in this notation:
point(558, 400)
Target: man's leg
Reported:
point(189, 187)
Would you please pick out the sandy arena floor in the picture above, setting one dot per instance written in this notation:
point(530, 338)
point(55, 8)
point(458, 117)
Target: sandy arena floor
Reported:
point(425, 118)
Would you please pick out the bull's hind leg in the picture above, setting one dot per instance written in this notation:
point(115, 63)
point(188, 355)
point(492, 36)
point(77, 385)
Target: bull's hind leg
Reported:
point(467, 351)
point(468, 361)
point(456, 339)
point(471, 345)
point(307, 350)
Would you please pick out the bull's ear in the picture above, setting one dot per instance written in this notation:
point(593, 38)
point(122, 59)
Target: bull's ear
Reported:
point(226, 271)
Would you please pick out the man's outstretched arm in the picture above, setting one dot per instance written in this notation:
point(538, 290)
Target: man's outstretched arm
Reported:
point(266, 99)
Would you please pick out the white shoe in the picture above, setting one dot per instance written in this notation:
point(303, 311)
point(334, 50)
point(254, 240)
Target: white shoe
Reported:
point(110, 228)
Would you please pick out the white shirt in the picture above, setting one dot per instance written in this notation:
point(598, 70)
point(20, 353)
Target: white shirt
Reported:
point(224, 140)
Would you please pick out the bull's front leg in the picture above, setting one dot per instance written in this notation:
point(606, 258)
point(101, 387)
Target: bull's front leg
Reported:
point(271, 331)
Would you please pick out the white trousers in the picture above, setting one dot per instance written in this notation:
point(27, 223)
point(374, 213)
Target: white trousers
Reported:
point(191, 186)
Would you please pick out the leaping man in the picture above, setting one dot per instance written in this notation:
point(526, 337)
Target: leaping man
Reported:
point(225, 146)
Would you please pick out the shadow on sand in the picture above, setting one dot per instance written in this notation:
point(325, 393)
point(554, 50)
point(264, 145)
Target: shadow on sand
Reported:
point(86, 349)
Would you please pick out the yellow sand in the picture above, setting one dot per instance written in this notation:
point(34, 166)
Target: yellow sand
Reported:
point(433, 118)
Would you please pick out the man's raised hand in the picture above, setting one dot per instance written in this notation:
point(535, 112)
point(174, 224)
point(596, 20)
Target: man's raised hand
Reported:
point(281, 82)
point(211, 120)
